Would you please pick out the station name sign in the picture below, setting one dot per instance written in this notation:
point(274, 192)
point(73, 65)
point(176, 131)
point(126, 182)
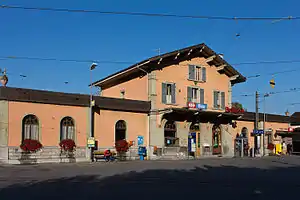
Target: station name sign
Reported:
point(197, 106)
point(234, 110)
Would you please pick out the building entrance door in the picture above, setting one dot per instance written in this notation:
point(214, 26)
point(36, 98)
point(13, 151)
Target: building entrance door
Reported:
point(194, 140)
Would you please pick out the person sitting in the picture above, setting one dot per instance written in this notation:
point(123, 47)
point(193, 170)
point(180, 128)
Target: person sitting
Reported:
point(107, 155)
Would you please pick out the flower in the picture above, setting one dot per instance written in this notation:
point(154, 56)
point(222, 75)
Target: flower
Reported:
point(271, 146)
point(29, 145)
point(67, 145)
point(122, 146)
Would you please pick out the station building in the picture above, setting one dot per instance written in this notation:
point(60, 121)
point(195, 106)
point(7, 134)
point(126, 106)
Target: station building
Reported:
point(177, 102)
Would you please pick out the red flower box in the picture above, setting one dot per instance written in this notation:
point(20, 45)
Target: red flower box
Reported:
point(122, 146)
point(271, 146)
point(29, 145)
point(67, 145)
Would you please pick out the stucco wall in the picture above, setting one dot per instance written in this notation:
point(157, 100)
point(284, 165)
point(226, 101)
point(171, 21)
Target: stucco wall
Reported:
point(135, 89)
point(250, 126)
point(3, 123)
point(49, 121)
point(105, 121)
point(179, 74)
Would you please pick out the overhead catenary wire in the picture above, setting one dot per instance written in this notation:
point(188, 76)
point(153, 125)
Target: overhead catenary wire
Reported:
point(131, 62)
point(148, 14)
point(270, 93)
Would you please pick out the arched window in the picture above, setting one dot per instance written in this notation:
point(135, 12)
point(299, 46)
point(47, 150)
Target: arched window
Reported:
point(194, 127)
point(30, 127)
point(120, 130)
point(244, 132)
point(67, 128)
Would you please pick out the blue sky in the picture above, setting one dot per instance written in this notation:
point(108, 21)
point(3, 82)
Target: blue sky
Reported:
point(134, 38)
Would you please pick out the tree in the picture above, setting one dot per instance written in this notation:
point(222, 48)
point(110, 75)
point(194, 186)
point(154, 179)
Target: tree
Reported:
point(237, 105)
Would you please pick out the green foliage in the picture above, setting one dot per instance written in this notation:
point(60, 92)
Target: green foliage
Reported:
point(237, 105)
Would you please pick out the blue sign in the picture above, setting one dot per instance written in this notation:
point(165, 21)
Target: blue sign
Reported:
point(201, 106)
point(140, 140)
point(258, 132)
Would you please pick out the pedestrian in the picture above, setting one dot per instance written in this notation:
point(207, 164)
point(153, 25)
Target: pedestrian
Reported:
point(289, 149)
point(284, 148)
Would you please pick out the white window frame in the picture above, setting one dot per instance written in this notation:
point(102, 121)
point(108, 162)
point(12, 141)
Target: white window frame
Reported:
point(198, 73)
point(218, 101)
point(197, 99)
point(169, 93)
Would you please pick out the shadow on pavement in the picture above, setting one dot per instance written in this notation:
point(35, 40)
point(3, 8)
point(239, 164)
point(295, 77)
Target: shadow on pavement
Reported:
point(224, 182)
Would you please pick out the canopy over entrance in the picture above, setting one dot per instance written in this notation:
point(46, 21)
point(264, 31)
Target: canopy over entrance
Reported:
point(185, 114)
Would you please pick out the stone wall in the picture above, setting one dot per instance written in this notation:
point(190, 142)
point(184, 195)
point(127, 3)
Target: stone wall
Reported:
point(46, 155)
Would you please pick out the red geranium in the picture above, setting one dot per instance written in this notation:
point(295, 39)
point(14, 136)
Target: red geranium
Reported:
point(271, 146)
point(29, 145)
point(68, 145)
point(122, 146)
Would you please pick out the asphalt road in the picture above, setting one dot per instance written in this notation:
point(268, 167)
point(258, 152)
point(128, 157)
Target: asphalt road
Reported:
point(219, 178)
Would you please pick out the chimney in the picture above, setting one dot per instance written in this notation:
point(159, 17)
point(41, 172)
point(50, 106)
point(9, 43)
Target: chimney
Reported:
point(221, 55)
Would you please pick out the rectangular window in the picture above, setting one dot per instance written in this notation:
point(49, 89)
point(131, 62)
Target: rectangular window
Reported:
point(219, 100)
point(168, 93)
point(195, 95)
point(197, 73)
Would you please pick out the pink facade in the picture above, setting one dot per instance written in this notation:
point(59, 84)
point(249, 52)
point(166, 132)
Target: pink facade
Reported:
point(105, 126)
point(135, 89)
point(179, 74)
point(49, 117)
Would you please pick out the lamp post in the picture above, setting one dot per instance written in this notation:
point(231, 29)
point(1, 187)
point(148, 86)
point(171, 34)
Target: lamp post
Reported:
point(92, 67)
point(264, 125)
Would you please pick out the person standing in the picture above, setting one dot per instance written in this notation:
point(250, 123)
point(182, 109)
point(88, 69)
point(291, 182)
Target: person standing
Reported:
point(284, 148)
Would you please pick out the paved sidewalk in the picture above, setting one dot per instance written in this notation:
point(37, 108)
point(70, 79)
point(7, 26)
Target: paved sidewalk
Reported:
point(222, 178)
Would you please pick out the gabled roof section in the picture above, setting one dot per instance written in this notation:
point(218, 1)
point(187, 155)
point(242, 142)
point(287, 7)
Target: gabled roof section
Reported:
point(175, 57)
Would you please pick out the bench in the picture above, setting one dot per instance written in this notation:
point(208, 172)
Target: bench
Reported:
point(99, 155)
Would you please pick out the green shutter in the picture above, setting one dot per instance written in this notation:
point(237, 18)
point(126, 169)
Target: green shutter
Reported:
point(216, 94)
point(191, 72)
point(173, 93)
point(223, 100)
point(163, 93)
point(189, 94)
point(203, 74)
point(202, 96)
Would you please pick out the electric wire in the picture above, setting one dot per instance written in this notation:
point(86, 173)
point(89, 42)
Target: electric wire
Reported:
point(269, 93)
point(148, 14)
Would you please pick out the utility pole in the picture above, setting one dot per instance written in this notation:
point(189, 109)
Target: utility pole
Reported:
point(91, 135)
point(256, 122)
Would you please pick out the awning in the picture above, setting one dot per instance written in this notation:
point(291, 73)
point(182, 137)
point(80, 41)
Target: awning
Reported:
point(286, 133)
point(185, 114)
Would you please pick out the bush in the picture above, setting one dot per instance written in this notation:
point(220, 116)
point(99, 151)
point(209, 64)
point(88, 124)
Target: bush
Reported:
point(67, 145)
point(122, 146)
point(31, 146)
point(271, 146)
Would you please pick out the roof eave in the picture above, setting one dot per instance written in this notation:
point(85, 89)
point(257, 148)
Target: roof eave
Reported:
point(207, 50)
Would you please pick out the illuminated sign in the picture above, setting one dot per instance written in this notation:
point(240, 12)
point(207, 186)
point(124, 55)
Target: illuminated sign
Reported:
point(197, 106)
point(234, 110)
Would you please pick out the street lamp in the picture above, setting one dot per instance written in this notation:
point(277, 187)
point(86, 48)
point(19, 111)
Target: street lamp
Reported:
point(92, 67)
point(264, 124)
